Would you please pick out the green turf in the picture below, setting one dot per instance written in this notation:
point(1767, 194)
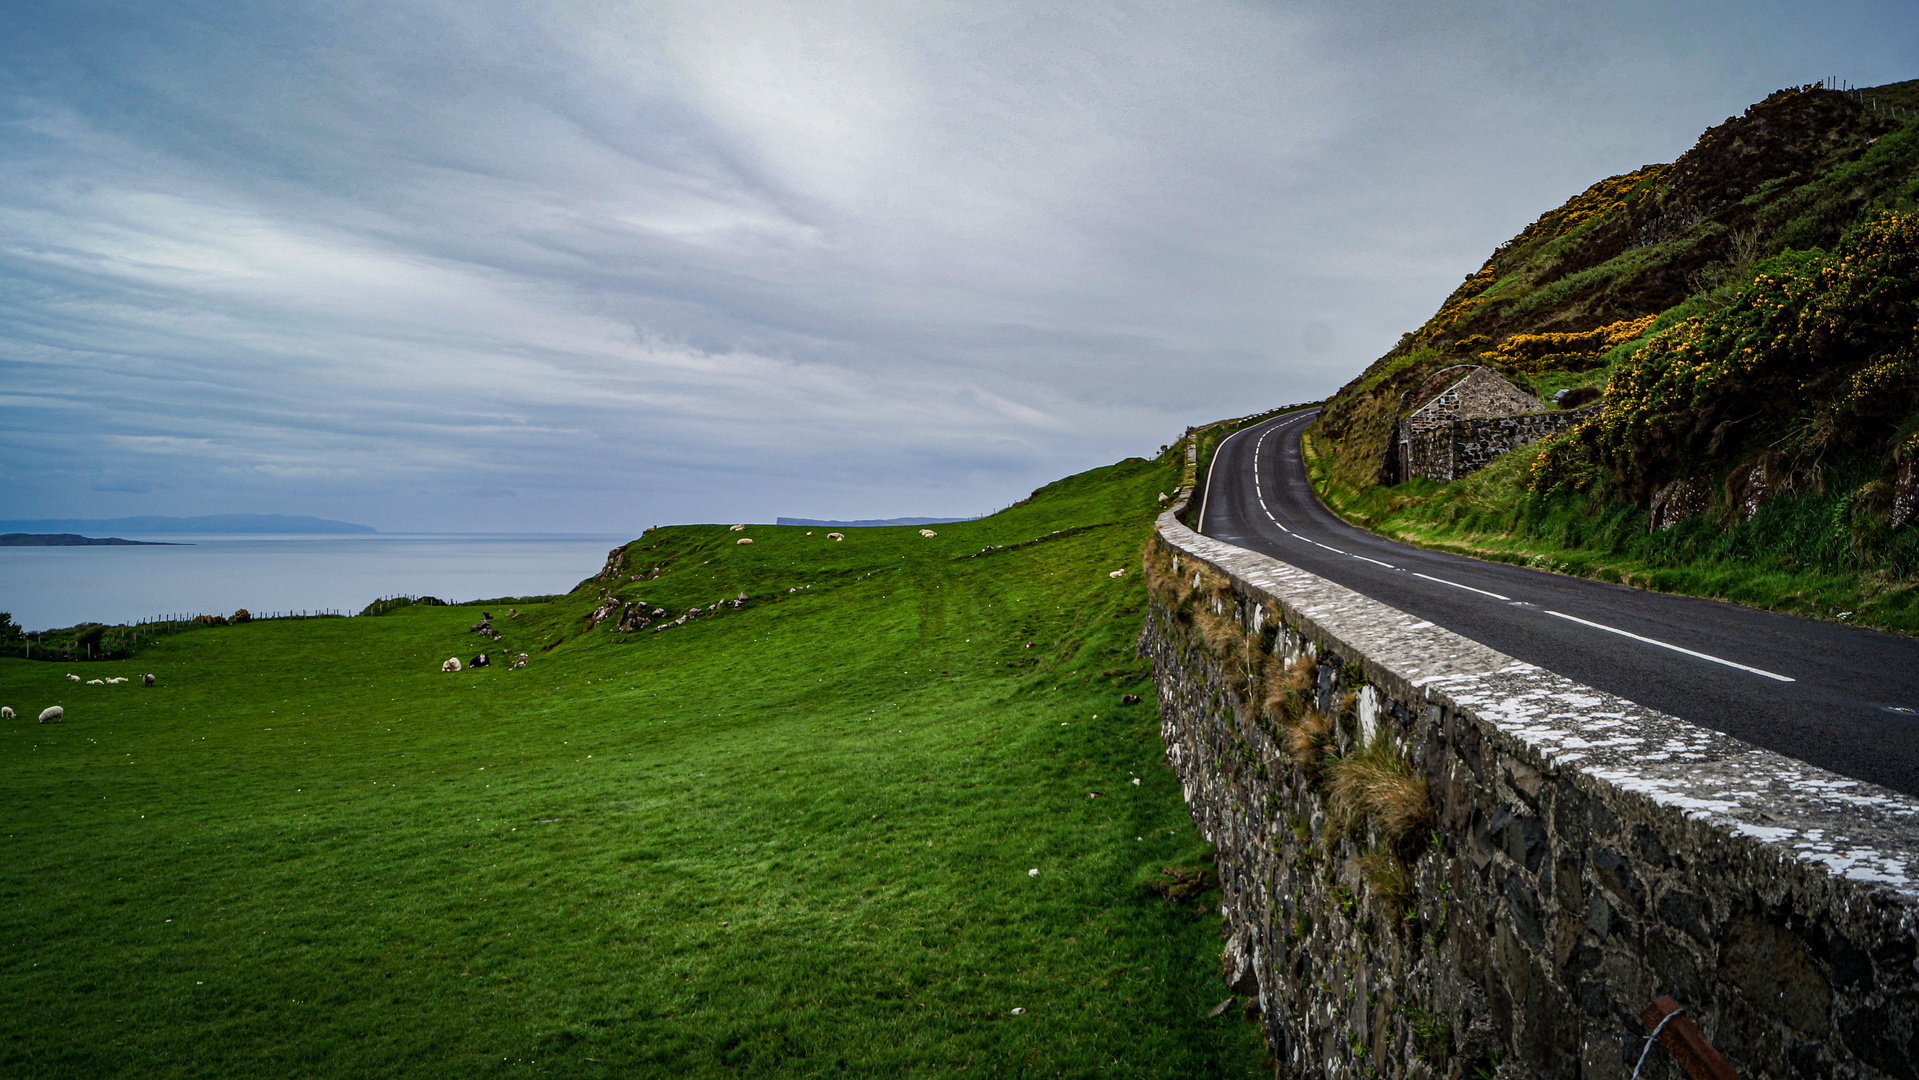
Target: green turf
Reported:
point(789, 839)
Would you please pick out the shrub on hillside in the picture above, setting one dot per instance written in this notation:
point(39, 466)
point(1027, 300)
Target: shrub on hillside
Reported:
point(1817, 355)
point(1538, 353)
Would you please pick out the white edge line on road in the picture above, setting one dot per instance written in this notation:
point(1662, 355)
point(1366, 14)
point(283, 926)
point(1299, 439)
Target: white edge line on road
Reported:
point(1674, 648)
point(1457, 585)
point(1376, 562)
point(1206, 496)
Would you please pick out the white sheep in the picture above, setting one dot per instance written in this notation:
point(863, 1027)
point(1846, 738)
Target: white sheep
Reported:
point(452, 664)
point(116, 680)
point(1117, 573)
point(928, 533)
point(147, 679)
point(739, 528)
point(743, 540)
point(96, 682)
point(73, 678)
point(836, 536)
point(6, 712)
point(52, 714)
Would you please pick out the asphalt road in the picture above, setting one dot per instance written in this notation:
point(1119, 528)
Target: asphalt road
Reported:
point(1824, 693)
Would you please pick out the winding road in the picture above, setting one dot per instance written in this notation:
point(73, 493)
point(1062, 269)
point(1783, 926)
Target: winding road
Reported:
point(1842, 698)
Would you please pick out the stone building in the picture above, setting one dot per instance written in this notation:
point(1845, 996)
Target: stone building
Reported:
point(1468, 416)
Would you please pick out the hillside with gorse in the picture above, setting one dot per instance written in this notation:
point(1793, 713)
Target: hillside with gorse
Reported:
point(1747, 317)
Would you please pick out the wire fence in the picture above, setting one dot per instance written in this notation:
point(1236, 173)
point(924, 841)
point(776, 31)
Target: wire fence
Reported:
point(1883, 108)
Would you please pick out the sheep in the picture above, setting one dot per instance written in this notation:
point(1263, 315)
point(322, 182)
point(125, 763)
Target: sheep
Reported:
point(452, 664)
point(1117, 574)
point(6, 712)
point(739, 528)
point(52, 714)
point(836, 536)
point(96, 682)
point(928, 533)
point(73, 678)
point(743, 540)
point(116, 680)
point(147, 679)
point(481, 661)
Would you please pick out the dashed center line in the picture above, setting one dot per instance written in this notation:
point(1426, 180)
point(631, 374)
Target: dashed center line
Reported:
point(1457, 585)
point(1670, 645)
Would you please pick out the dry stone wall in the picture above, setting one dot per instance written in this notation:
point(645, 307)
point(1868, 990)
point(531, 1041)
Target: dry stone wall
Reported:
point(1584, 854)
point(1463, 447)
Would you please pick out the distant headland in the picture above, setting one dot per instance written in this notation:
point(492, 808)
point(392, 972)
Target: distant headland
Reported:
point(14, 539)
point(239, 524)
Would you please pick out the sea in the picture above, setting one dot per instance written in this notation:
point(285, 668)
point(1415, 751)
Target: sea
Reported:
point(49, 587)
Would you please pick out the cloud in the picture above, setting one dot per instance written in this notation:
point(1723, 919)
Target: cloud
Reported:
point(682, 261)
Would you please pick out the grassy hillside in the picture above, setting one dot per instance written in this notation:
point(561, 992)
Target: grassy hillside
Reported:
point(792, 838)
point(1750, 315)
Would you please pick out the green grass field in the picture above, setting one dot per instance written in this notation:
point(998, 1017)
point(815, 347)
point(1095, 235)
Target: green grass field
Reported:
point(789, 839)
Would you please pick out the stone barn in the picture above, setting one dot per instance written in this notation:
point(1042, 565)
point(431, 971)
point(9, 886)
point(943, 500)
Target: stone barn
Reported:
point(1465, 417)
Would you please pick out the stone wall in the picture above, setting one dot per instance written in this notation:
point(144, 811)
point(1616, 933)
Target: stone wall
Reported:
point(1581, 856)
point(1480, 392)
point(1463, 447)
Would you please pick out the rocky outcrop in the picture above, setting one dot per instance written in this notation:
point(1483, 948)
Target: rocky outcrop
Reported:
point(1905, 493)
point(1680, 499)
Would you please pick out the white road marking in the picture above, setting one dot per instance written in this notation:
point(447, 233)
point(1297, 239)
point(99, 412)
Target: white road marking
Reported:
point(1457, 585)
point(1670, 645)
point(1260, 493)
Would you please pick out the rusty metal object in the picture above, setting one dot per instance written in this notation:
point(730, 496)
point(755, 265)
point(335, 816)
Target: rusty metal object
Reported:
point(1683, 1040)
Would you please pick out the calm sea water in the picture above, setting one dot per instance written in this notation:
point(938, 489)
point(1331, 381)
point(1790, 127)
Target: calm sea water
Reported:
point(59, 586)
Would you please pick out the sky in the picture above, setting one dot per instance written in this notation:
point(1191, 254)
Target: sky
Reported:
point(590, 267)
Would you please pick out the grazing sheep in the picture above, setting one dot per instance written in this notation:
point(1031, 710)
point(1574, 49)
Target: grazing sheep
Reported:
point(452, 664)
point(836, 536)
point(1117, 573)
point(96, 682)
point(1162, 498)
point(743, 540)
point(52, 714)
point(73, 678)
point(116, 680)
point(739, 528)
point(6, 712)
point(928, 533)
point(147, 679)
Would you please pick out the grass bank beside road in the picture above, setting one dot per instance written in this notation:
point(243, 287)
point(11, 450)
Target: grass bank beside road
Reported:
point(789, 839)
point(1795, 555)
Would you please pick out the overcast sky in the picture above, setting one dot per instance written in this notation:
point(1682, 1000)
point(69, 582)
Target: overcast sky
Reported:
point(591, 267)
